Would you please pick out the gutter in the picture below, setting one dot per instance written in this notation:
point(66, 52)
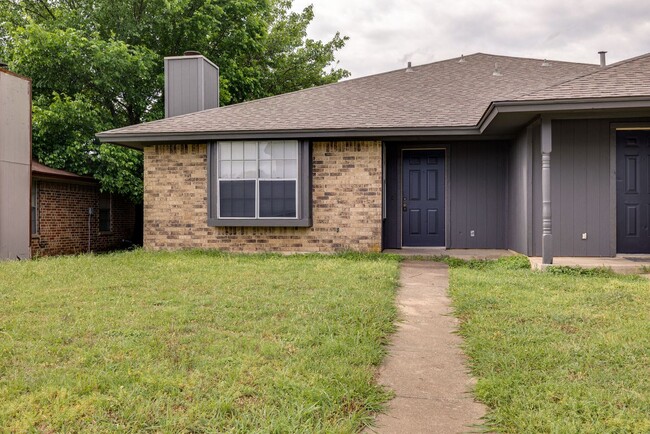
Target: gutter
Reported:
point(139, 140)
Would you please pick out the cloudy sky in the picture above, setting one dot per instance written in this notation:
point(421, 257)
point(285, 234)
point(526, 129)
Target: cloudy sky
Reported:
point(385, 34)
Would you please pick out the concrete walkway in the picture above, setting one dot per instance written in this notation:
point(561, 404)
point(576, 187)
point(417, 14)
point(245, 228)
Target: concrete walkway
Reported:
point(425, 366)
point(621, 263)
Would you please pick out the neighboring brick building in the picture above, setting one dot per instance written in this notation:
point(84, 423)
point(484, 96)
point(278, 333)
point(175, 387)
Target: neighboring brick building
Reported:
point(61, 219)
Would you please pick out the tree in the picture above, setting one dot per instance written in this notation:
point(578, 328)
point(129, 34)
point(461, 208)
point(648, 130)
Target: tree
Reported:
point(97, 64)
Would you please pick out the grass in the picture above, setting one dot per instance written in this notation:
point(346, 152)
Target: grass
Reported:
point(564, 351)
point(193, 342)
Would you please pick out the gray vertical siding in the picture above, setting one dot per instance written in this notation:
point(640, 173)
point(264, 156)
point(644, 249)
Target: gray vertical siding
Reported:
point(519, 213)
point(210, 86)
point(15, 166)
point(580, 189)
point(392, 222)
point(191, 85)
point(477, 177)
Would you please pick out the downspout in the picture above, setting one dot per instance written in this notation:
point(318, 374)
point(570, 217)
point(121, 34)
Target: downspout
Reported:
point(547, 227)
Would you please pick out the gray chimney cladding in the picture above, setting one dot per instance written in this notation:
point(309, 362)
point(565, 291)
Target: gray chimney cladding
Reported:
point(191, 84)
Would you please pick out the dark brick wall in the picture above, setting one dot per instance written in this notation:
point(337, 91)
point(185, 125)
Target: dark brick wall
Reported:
point(63, 220)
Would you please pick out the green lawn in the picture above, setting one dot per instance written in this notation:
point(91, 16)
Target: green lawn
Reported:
point(563, 352)
point(193, 342)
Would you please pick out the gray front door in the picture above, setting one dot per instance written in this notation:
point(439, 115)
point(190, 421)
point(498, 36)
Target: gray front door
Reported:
point(633, 191)
point(423, 198)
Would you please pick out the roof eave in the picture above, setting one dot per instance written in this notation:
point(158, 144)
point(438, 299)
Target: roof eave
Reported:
point(561, 105)
point(57, 177)
point(138, 141)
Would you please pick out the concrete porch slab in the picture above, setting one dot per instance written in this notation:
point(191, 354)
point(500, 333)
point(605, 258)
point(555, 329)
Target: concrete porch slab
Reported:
point(624, 263)
point(454, 253)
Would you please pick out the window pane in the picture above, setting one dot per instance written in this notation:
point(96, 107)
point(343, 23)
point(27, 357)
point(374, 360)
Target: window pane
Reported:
point(265, 169)
point(34, 216)
point(291, 150)
point(237, 170)
point(278, 199)
point(290, 168)
point(265, 150)
point(250, 169)
point(237, 198)
point(104, 220)
point(238, 151)
point(250, 151)
point(224, 149)
point(278, 150)
point(224, 170)
point(104, 212)
point(278, 169)
point(34, 224)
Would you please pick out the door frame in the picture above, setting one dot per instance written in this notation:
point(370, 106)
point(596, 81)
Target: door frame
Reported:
point(400, 187)
point(613, 162)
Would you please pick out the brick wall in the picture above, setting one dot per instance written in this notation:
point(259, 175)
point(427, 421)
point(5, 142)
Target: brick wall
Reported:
point(63, 220)
point(346, 211)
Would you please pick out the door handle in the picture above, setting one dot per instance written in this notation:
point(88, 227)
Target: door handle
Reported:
point(404, 207)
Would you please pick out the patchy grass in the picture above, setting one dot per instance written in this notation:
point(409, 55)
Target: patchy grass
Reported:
point(193, 342)
point(566, 351)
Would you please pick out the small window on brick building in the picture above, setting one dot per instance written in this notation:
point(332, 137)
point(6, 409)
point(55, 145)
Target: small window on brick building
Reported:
point(34, 211)
point(104, 212)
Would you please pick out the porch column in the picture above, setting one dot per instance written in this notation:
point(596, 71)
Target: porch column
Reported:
point(547, 233)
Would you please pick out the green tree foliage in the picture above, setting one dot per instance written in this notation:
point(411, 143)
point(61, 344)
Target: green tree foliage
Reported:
point(97, 65)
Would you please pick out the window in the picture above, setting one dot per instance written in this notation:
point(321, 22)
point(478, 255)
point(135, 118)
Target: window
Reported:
point(34, 213)
point(259, 183)
point(104, 212)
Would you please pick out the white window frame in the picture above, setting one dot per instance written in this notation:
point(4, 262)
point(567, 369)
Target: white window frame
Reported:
point(257, 179)
point(303, 217)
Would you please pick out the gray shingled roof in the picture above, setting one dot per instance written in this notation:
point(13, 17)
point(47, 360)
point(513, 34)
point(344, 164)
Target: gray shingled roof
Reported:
point(628, 78)
point(441, 94)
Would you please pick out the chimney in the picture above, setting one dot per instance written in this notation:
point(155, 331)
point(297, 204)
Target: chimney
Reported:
point(191, 84)
point(603, 61)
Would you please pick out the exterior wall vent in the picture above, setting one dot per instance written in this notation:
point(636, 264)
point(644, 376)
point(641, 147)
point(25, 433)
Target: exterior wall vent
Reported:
point(191, 84)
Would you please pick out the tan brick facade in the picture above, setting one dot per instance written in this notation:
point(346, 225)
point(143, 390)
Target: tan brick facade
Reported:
point(346, 189)
point(63, 219)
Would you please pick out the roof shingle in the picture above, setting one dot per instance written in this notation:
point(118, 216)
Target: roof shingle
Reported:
point(628, 78)
point(440, 94)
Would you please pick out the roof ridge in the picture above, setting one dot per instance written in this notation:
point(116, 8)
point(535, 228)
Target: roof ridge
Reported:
point(538, 59)
point(598, 71)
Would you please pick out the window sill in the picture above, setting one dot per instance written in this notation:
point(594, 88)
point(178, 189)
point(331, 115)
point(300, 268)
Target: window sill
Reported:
point(261, 223)
point(105, 233)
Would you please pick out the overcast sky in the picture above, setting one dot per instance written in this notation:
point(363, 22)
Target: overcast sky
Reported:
point(385, 34)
